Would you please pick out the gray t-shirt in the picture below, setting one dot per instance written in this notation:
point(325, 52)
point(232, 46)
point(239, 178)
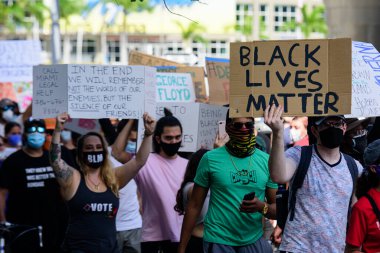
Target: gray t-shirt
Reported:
point(185, 192)
point(320, 217)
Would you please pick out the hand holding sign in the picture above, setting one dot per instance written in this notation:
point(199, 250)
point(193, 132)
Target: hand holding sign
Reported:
point(61, 119)
point(149, 124)
point(272, 117)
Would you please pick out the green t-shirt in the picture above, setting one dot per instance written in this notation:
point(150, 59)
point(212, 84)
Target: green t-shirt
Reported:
point(229, 179)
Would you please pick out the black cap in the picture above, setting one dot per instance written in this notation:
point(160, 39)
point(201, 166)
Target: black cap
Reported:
point(34, 122)
point(318, 120)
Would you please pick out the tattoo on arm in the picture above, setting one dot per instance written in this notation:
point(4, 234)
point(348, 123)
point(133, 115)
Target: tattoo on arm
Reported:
point(61, 169)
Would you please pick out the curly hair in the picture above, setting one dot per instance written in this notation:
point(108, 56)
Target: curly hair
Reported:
point(107, 174)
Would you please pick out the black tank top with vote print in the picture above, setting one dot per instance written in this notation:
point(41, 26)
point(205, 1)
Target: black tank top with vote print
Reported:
point(92, 227)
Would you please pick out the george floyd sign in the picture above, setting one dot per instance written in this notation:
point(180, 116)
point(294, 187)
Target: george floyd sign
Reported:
point(307, 77)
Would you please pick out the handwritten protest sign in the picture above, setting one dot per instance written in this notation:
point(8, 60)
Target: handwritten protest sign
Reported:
point(82, 126)
point(365, 80)
point(307, 77)
point(93, 91)
point(138, 58)
point(199, 122)
point(218, 75)
point(17, 58)
point(175, 87)
point(198, 76)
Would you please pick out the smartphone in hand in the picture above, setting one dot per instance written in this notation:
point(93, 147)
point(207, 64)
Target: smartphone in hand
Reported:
point(222, 128)
point(249, 196)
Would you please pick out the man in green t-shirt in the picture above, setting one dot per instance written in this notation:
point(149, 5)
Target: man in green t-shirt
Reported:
point(230, 172)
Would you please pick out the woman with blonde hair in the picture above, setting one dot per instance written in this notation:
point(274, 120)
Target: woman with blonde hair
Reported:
point(92, 192)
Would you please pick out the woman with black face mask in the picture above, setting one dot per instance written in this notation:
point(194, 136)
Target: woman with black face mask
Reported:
point(92, 193)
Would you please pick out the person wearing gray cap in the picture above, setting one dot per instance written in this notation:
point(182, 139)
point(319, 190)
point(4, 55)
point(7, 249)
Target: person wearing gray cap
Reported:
point(364, 227)
point(319, 199)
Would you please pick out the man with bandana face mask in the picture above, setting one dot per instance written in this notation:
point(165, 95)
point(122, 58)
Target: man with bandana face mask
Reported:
point(323, 200)
point(33, 194)
point(233, 222)
point(158, 182)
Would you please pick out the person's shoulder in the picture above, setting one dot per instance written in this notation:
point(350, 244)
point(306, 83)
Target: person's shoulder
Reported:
point(363, 205)
point(260, 153)
point(17, 155)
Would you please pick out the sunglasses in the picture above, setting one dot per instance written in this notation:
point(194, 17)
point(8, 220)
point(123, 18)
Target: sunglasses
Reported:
point(34, 129)
point(8, 107)
point(239, 125)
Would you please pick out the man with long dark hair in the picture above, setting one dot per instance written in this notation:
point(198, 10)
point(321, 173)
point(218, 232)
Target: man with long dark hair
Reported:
point(158, 182)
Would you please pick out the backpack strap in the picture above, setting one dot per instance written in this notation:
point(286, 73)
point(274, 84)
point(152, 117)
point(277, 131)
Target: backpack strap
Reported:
point(354, 171)
point(374, 206)
point(299, 177)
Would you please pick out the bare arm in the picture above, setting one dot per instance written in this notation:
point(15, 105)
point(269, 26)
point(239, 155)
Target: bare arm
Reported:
point(193, 210)
point(127, 171)
point(63, 172)
point(281, 169)
point(120, 143)
point(3, 197)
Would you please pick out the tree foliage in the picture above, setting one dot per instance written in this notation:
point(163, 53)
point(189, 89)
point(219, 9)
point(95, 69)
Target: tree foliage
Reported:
point(20, 13)
point(312, 21)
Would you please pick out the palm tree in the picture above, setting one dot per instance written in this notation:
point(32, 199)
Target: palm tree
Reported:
point(21, 13)
point(312, 21)
point(67, 8)
point(124, 8)
point(190, 33)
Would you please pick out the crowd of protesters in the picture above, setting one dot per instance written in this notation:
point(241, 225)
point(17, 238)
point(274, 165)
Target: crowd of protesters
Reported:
point(98, 192)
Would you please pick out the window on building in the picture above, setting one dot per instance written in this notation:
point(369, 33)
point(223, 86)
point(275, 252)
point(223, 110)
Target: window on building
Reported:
point(88, 50)
point(113, 54)
point(218, 48)
point(174, 47)
point(283, 14)
point(244, 16)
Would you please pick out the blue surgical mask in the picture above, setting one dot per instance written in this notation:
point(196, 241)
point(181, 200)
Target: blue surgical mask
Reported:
point(66, 135)
point(131, 147)
point(35, 140)
point(14, 140)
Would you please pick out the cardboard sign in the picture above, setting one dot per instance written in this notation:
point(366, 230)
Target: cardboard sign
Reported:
point(137, 58)
point(93, 91)
point(365, 80)
point(199, 122)
point(82, 126)
point(17, 58)
point(218, 75)
point(198, 76)
point(175, 87)
point(307, 77)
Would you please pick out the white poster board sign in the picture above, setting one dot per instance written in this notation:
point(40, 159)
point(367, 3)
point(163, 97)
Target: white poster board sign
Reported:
point(199, 122)
point(17, 58)
point(83, 126)
point(175, 87)
point(93, 91)
point(365, 80)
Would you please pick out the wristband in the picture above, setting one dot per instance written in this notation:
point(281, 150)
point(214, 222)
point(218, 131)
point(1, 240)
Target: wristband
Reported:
point(146, 133)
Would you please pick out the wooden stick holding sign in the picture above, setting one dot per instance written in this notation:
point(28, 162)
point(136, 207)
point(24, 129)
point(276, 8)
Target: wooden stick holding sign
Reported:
point(307, 77)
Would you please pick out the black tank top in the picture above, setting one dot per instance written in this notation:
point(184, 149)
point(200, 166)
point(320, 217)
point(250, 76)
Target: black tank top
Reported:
point(92, 227)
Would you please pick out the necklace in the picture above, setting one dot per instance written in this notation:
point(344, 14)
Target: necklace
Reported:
point(243, 170)
point(96, 186)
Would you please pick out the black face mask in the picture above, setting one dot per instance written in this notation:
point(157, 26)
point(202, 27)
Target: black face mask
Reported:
point(331, 137)
point(94, 159)
point(359, 143)
point(170, 149)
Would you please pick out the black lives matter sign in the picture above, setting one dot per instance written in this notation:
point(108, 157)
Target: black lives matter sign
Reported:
point(307, 77)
